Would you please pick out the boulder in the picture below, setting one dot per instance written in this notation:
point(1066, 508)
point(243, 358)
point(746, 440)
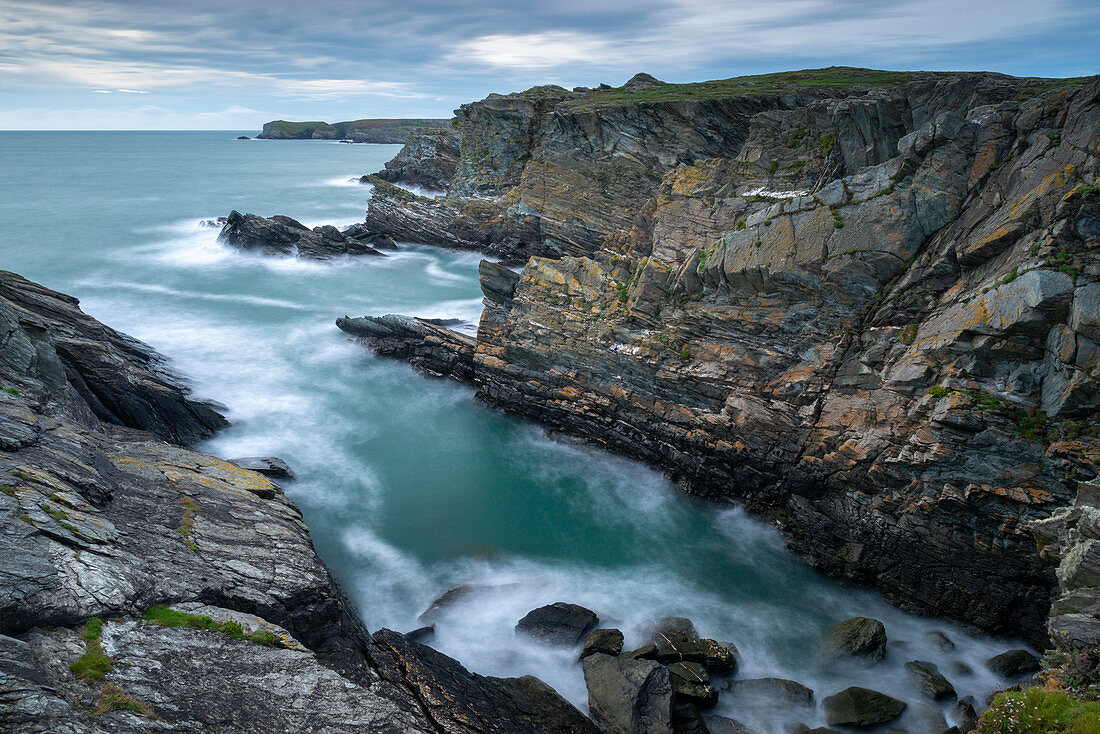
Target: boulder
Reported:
point(857, 706)
point(769, 690)
point(940, 640)
point(929, 680)
point(243, 137)
point(628, 696)
point(453, 596)
point(607, 641)
point(558, 623)
point(726, 725)
point(964, 715)
point(858, 638)
point(687, 719)
point(1013, 664)
point(676, 641)
point(645, 652)
point(691, 684)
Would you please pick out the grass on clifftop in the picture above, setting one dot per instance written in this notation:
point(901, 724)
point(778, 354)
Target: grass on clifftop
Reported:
point(1039, 711)
point(294, 128)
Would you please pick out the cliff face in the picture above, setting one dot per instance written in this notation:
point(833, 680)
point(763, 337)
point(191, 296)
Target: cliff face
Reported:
point(100, 517)
point(871, 316)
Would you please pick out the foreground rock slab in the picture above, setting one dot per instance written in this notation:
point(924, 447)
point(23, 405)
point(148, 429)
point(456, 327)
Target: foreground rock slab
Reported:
point(559, 623)
point(628, 696)
point(857, 706)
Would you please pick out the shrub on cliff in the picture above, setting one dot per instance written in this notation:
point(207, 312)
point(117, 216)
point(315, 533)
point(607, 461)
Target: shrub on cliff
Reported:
point(1039, 711)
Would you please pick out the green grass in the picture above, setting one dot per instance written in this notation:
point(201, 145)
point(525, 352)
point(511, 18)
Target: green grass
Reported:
point(10, 391)
point(834, 77)
point(907, 335)
point(295, 128)
point(1033, 425)
point(113, 698)
point(9, 491)
point(167, 617)
point(1038, 711)
point(93, 665)
point(187, 522)
point(939, 391)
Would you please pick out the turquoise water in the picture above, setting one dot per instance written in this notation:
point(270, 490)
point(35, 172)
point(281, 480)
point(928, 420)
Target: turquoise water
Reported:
point(410, 487)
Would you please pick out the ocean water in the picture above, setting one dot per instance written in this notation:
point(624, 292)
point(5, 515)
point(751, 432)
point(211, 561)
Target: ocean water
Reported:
point(411, 487)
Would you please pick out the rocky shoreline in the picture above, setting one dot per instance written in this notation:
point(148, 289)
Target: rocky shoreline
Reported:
point(866, 311)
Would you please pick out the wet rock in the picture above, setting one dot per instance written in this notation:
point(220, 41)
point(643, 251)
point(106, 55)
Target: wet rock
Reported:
point(769, 690)
point(645, 652)
point(674, 627)
point(281, 235)
point(243, 137)
point(687, 719)
point(421, 633)
point(559, 623)
point(676, 640)
point(691, 684)
point(858, 638)
point(607, 641)
point(726, 725)
point(427, 344)
point(628, 696)
point(964, 715)
point(857, 706)
point(449, 598)
point(270, 466)
point(927, 677)
point(942, 642)
point(1013, 664)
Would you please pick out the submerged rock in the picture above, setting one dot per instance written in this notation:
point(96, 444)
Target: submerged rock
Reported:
point(769, 691)
point(857, 706)
point(271, 466)
point(558, 623)
point(628, 696)
point(858, 638)
point(281, 235)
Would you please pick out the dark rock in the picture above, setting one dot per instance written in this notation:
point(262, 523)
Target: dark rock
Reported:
point(964, 715)
point(628, 696)
point(676, 640)
point(449, 598)
point(861, 707)
point(645, 652)
point(424, 343)
point(281, 235)
point(243, 137)
point(558, 623)
point(429, 160)
point(360, 233)
point(725, 725)
point(674, 627)
point(691, 684)
point(270, 466)
point(769, 690)
point(386, 131)
point(641, 81)
point(420, 633)
point(1013, 664)
point(929, 680)
point(607, 641)
point(856, 638)
point(687, 719)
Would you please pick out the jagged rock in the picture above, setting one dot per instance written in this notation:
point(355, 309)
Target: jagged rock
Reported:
point(691, 684)
point(670, 628)
point(451, 597)
point(1013, 664)
point(645, 652)
point(558, 623)
point(628, 696)
point(857, 706)
point(376, 240)
point(641, 81)
point(964, 715)
point(769, 690)
point(687, 719)
point(281, 235)
point(929, 680)
point(429, 160)
point(243, 137)
point(607, 641)
point(726, 725)
point(269, 466)
point(856, 638)
point(425, 343)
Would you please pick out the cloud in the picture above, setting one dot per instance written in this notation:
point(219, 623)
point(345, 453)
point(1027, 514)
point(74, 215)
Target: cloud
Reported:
point(120, 91)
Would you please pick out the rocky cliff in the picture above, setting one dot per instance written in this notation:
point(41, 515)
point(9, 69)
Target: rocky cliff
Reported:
point(864, 304)
point(357, 131)
point(148, 587)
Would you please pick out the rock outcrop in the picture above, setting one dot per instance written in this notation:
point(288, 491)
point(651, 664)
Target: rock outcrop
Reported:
point(104, 515)
point(281, 235)
point(428, 160)
point(866, 312)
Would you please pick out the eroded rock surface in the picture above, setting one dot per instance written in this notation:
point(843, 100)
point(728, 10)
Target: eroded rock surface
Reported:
point(281, 235)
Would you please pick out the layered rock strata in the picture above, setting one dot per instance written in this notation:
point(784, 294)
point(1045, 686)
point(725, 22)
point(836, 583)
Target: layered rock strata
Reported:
point(281, 235)
point(872, 317)
point(104, 516)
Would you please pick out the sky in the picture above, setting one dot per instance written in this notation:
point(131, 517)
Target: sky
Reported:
point(204, 64)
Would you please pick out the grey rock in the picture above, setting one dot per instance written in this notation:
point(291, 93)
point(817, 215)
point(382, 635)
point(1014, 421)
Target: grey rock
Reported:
point(559, 623)
point(607, 641)
point(927, 677)
point(858, 638)
point(1013, 664)
point(691, 684)
point(769, 690)
point(281, 235)
point(940, 640)
point(628, 696)
point(269, 466)
point(857, 706)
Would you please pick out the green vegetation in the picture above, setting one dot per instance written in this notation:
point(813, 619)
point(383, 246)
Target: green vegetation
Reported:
point(187, 522)
point(1039, 711)
point(167, 617)
point(827, 143)
point(834, 77)
point(295, 128)
point(9, 491)
point(1029, 424)
point(740, 224)
point(939, 391)
point(1049, 85)
point(93, 665)
point(10, 391)
point(685, 354)
point(112, 698)
point(907, 335)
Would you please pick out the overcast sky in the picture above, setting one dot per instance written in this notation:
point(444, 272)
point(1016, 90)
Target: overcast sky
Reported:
point(235, 64)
